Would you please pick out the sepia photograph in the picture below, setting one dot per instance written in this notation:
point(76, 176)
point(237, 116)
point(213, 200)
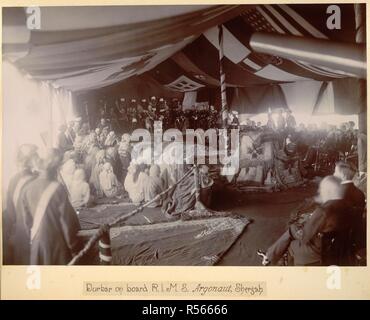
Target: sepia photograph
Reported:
point(184, 135)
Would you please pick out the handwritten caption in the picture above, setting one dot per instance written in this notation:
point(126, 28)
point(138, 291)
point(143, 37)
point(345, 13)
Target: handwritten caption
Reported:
point(234, 289)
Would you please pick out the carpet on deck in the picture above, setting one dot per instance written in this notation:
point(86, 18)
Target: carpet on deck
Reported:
point(148, 238)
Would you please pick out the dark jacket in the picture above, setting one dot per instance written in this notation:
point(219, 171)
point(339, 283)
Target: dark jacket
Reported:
point(356, 200)
point(332, 216)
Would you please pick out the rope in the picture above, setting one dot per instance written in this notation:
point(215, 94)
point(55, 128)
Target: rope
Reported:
point(106, 227)
point(89, 244)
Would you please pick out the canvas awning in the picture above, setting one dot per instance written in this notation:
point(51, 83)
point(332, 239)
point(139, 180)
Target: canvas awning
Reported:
point(175, 47)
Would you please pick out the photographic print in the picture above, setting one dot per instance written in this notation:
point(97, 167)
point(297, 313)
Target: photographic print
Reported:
point(184, 135)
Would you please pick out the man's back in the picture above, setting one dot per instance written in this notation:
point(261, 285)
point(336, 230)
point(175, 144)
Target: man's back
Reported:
point(354, 197)
point(13, 224)
point(356, 200)
point(54, 222)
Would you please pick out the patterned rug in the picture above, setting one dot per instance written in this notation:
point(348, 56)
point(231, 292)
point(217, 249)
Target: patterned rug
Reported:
point(201, 242)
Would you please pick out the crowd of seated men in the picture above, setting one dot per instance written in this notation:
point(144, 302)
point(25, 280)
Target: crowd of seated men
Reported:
point(97, 164)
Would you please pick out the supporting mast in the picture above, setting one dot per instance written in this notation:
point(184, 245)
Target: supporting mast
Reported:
point(224, 107)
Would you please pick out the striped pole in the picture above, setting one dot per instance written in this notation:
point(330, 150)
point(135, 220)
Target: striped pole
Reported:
point(196, 183)
point(224, 108)
point(105, 252)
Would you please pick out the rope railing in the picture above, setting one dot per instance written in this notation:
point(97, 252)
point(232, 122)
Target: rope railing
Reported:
point(89, 244)
point(104, 229)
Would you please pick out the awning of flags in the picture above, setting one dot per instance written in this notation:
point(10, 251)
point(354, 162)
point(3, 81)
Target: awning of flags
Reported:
point(176, 49)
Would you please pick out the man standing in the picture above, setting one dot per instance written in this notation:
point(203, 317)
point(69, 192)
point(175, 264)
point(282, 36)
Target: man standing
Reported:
point(70, 132)
point(53, 223)
point(14, 229)
point(290, 120)
point(356, 201)
point(64, 139)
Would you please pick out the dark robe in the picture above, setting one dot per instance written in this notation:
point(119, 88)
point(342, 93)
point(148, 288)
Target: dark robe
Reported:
point(53, 223)
point(16, 247)
point(354, 197)
point(356, 200)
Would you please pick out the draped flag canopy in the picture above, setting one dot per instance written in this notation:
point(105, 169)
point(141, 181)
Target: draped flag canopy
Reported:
point(176, 47)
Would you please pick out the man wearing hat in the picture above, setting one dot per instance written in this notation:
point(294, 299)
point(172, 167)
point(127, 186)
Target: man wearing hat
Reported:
point(234, 120)
point(173, 112)
point(163, 112)
point(141, 113)
point(290, 120)
point(133, 115)
point(153, 107)
point(122, 114)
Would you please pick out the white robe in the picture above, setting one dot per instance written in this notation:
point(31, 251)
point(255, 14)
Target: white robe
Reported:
point(135, 189)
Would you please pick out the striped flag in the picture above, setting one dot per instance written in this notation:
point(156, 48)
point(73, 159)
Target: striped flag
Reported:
point(241, 66)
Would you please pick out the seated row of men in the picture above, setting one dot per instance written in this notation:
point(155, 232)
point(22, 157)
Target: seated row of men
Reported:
point(337, 213)
point(126, 116)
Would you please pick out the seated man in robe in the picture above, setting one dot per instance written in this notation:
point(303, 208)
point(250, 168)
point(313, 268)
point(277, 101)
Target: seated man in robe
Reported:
point(153, 186)
point(112, 156)
point(103, 136)
point(109, 183)
point(97, 133)
point(111, 139)
point(90, 141)
point(134, 183)
point(95, 172)
point(89, 161)
point(80, 190)
point(302, 240)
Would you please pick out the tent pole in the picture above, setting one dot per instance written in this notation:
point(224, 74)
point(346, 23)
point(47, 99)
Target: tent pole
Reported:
point(224, 107)
point(360, 17)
